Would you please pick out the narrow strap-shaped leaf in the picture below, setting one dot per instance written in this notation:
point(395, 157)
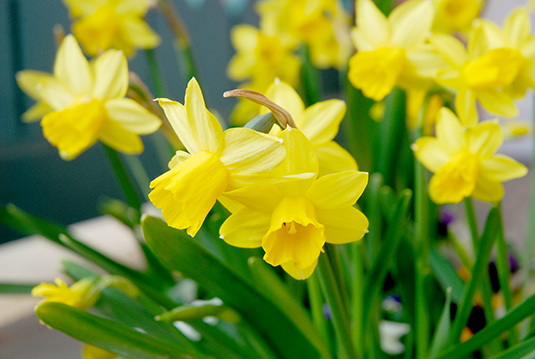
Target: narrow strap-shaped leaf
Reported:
point(440, 337)
point(271, 286)
point(182, 253)
point(446, 275)
point(12, 288)
point(521, 350)
point(109, 335)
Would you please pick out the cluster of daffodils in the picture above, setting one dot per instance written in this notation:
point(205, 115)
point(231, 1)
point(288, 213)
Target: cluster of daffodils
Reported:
point(270, 183)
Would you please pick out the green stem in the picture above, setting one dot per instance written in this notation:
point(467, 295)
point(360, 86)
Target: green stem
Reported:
point(139, 173)
point(472, 221)
point(132, 195)
point(155, 74)
point(357, 296)
point(310, 80)
point(336, 265)
point(316, 307)
point(421, 216)
point(336, 304)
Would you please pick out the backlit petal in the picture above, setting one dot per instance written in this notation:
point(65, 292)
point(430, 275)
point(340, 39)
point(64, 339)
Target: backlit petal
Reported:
point(55, 94)
point(320, 122)
point(411, 23)
point(72, 68)
point(503, 168)
point(373, 26)
point(485, 138)
point(451, 49)
point(186, 193)
point(132, 116)
point(178, 118)
point(261, 198)
point(286, 97)
point(111, 75)
point(449, 131)
point(488, 189)
point(498, 102)
point(465, 107)
point(36, 112)
point(343, 225)
point(298, 273)
point(337, 190)
point(30, 82)
point(119, 138)
point(137, 7)
point(139, 33)
point(300, 156)
point(245, 228)
point(517, 28)
point(333, 158)
point(178, 158)
point(431, 153)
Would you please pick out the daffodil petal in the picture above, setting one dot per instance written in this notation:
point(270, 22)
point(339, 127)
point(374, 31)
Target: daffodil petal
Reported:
point(286, 97)
point(117, 137)
point(244, 37)
point(178, 158)
point(503, 168)
point(298, 273)
point(337, 190)
point(82, 8)
point(528, 49)
point(498, 102)
point(411, 23)
point(477, 43)
point(247, 152)
point(449, 131)
point(111, 75)
point(36, 112)
point(139, 33)
point(465, 107)
point(245, 228)
point(137, 7)
point(132, 116)
point(517, 27)
point(178, 118)
point(55, 94)
point(300, 156)
point(240, 66)
point(30, 81)
point(333, 158)
point(200, 124)
point(72, 68)
point(493, 34)
point(320, 122)
point(485, 138)
point(451, 49)
point(488, 189)
point(261, 198)
point(343, 225)
point(431, 153)
point(372, 24)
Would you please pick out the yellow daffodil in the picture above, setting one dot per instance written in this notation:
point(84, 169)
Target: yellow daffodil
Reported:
point(320, 123)
point(464, 162)
point(415, 100)
point(78, 295)
point(30, 82)
point(480, 73)
point(456, 15)
point(391, 51)
point(88, 102)
point(217, 161)
point(291, 220)
point(103, 24)
point(515, 37)
point(322, 25)
point(92, 352)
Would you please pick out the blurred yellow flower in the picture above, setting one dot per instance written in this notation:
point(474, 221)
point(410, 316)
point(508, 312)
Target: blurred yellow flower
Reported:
point(92, 352)
point(322, 25)
point(415, 100)
point(78, 295)
point(515, 37)
point(480, 73)
point(391, 51)
point(103, 24)
point(464, 160)
point(88, 102)
point(217, 161)
point(456, 15)
point(319, 123)
point(292, 219)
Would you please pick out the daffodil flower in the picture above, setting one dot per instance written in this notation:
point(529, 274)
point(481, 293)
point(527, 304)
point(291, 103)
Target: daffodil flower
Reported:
point(480, 73)
point(217, 161)
point(292, 219)
point(105, 24)
point(391, 51)
point(319, 123)
point(456, 15)
point(87, 102)
point(78, 295)
point(92, 352)
point(464, 162)
point(515, 37)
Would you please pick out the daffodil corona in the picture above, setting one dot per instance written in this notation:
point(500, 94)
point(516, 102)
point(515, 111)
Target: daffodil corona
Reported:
point(217, 161)
point(293, 218)
point(101, 25)
point(85, 103)
point(464, 162)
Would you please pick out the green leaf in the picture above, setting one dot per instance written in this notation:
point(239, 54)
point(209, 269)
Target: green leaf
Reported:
point(109, 335)
point(515, 316)
point(440, 338)
point(446, 275)
point(518, 351)
point(273, 287)
point(182, 253)
point(11, 288)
